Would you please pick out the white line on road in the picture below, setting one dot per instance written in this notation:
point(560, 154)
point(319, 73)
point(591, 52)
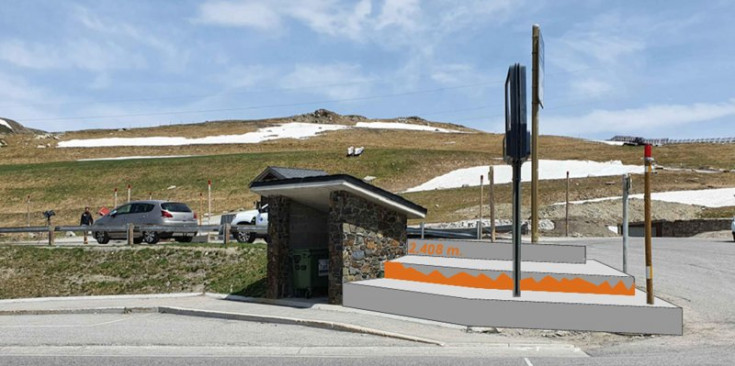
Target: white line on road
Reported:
point(528, 362)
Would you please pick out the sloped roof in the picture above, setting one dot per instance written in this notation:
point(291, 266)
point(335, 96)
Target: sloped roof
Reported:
point(314, 192)
point(275, 173)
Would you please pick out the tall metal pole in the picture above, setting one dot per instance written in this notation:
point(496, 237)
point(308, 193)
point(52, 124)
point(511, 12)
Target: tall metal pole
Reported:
point(536, 34)
point(566, 221)
point(491, 181)
point(626, 191)
point(479, 223)
point(517, 228)
point(647, 208)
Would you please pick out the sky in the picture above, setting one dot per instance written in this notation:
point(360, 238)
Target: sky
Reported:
point(643, 68)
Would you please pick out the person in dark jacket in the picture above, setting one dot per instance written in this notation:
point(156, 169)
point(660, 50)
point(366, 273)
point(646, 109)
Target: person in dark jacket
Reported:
point(86, 220)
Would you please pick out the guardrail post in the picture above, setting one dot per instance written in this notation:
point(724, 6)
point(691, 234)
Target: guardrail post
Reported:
point(226, 234)
point(130, 234)
point(51, 235)
point(422, 229)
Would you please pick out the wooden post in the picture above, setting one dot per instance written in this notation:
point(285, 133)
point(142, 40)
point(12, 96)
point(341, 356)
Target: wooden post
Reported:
point(201, 203)
point(131, 232)
point(566, 220)
point(51, 234)
point(647, 209)
point(114, 202)
point(491, 181)
point(28, 210)
point(226, 234)
point(479, 223)
point(209, 201)
point(129, 189)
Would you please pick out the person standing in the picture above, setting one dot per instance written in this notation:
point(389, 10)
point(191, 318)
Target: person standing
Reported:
point(86, 220)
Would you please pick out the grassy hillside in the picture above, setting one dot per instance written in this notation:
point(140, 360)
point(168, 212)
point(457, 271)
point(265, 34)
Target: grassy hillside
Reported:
point(399, 159)
point(43, 271)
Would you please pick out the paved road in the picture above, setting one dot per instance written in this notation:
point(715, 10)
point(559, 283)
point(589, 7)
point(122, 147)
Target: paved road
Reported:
point(697, 274)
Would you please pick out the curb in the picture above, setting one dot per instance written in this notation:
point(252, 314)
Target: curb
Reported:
point(112, 310)
point(295, 321)
point(103, 297)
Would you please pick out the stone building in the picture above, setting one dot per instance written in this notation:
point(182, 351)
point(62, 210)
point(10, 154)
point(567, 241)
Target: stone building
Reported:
point(360, 225)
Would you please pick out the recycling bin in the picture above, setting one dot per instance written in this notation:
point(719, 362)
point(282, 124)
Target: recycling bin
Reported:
point(310, 270)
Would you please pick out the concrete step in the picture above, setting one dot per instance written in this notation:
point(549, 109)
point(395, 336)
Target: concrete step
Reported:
point(498, 308)
point(591, 277)
point(483, 249)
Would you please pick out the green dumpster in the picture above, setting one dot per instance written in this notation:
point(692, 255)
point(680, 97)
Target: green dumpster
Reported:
point(310, 270)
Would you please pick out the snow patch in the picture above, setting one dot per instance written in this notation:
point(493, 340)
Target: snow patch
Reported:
point(717, 197)
point(138, 157)
point(403, 126)
point(6, 124)
point(548, 169)
point(295, 130)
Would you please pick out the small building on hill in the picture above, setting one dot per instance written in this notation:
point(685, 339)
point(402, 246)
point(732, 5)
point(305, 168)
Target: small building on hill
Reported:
point(326, 230)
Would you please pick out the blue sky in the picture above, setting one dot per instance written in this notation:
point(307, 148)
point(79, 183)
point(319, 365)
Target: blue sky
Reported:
point(647, 68)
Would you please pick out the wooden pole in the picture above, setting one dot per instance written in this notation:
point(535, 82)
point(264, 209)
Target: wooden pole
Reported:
point(114, 203)
point(201, 203)
point(535, 102)
point(647, 208)
point(227, 234)
point(479, 223)
point(566, 221)
point(209, 201)
point(129, 191)
point(491, 181)
point(28, 210)
point(130, 233)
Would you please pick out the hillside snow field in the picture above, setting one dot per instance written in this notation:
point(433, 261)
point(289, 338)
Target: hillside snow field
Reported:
point(717, 197)
point(6, 124)
point(548, 170)
point(294, 130)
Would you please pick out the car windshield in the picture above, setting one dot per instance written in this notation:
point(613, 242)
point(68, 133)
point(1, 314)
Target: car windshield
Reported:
point(175, 207)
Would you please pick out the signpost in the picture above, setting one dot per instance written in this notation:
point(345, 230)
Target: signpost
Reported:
point(647, 210)
point(516, 149)
point(537, 96)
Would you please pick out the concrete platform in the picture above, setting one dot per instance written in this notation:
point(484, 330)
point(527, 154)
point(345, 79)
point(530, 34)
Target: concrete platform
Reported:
point(483, 249)
point(498, 308)
point(589, 277)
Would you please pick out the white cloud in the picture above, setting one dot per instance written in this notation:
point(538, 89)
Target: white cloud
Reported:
point(399, 13)
point(637, 120)
point(339, 80)
point(262, 16)
point(590, 87)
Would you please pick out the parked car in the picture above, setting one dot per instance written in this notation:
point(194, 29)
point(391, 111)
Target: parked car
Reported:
point(161, 213)
point(258, 217)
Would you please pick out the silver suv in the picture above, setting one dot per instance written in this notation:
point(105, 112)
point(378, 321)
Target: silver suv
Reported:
point(161, 213)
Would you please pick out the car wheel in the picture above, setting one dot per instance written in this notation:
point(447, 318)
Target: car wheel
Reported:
point(150, 237)
point(242, 237)
point(185, 239)
point(101, 237)
point(250, 237)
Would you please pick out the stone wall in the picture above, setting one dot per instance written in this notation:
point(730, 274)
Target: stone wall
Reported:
point(279, 270)
point(679, 228)
point(362, 235)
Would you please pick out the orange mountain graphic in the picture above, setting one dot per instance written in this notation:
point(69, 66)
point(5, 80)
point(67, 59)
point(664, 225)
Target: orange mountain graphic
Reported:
point(396, 270)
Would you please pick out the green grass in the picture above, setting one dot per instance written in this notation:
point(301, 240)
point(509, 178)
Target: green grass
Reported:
point(43, 271)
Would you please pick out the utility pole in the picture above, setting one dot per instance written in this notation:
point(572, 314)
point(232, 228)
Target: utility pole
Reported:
point(491, 181)
point(647, 208)
point(536, 101)
point(626, 191)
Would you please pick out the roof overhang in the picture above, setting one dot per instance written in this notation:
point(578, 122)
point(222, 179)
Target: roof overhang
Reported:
point(315, 191)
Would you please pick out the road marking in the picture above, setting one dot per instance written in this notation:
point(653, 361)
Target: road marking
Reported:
point(528, 362)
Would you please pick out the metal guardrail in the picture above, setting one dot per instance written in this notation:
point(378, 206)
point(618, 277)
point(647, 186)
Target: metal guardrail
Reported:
point(668, 141)
point(131, 229)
